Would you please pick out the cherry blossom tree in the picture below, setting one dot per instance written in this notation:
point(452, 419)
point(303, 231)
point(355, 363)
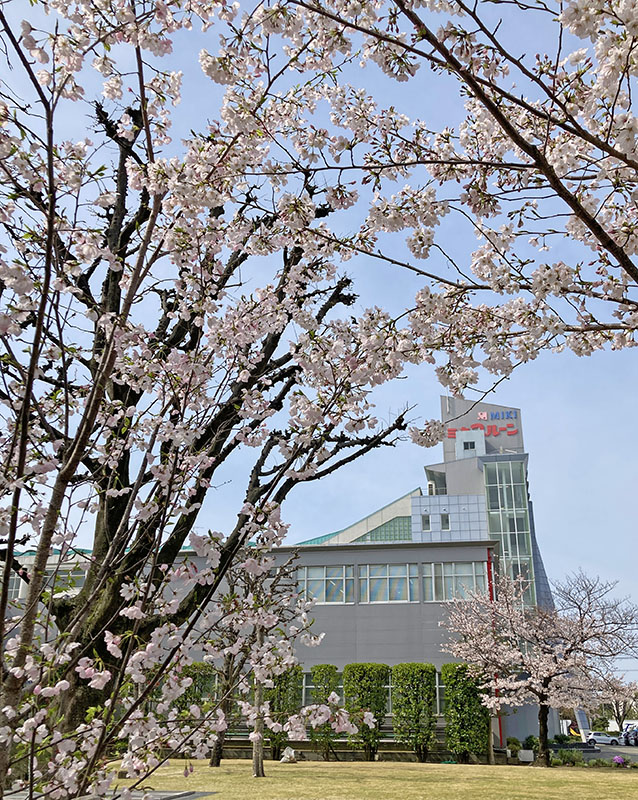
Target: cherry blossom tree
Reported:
point(545, 656)
point(178, 296)
point(258, 611)
point(618, 695)
point(167, 311)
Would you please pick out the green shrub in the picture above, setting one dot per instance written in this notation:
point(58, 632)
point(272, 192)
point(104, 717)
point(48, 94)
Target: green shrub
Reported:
point(562, 738)
point(285, 698)
point(600, 762)
point(514, 745)
point(531, 743)
point(468, 721)
point(571, 757)
point(201, 690)
point(413, 699)
point(365, 688)
point(325, 680)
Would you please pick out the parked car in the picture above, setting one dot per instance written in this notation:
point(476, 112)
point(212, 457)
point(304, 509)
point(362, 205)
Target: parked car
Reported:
point(597, 737)
point(631, 736)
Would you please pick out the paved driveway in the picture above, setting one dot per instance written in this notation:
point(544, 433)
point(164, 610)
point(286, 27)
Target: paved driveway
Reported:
point(609, 751)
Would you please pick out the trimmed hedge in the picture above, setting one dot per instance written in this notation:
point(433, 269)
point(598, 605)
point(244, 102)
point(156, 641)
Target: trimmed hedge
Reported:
point(325, 680)
point(413, 706)
point(365, 688)
point(285, 698)
point(202, 689)
point(468, 721)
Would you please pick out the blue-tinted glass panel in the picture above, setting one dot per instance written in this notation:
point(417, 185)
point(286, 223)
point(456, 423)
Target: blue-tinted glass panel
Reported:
point(398, 589)
point(378, 590)
point(334, 591)
point(349, 590)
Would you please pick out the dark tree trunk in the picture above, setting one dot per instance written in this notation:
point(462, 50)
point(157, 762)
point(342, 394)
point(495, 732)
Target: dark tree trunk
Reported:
point(226, 706)
point(216, 753)
point(258, 744)
point(421, 753)
point(544, 757)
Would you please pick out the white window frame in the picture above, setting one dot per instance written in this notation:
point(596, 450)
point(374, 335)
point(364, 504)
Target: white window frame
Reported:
point(435, 574)
point(347, 579)
point(411, 577)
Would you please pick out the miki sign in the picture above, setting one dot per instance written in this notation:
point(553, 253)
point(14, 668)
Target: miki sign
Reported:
point(511, 413)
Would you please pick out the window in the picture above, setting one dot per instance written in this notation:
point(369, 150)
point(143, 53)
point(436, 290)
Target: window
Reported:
point(469, 445)
point(388, 583)
point(327, 584)
point(425, 522)
point(445, 522)
point(67, 579)
point(14, 585)
point(453, 579)
point(440, 696)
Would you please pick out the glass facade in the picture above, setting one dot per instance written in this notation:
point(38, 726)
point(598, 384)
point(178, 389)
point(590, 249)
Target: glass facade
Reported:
point(453, 579)
point(508, 517)
point(388, 583)
point(327, 584)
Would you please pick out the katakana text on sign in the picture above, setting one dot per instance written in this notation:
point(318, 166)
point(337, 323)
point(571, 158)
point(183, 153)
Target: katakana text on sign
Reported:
point(490, 430)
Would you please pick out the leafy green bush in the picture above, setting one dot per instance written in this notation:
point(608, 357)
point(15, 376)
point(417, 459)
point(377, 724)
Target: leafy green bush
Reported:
point(325, 680)
point(285, 698)
point(562, 738)
point(468, 721)
point(572, 757)
point(365, 688)
point(600, 762)
point(413, 699)
point(531, 743)
point(514, 745)
point(201, 690)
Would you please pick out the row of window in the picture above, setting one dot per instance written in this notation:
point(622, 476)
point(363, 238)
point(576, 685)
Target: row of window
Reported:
point(392, 583)
point(61, 580)
point(426, 522)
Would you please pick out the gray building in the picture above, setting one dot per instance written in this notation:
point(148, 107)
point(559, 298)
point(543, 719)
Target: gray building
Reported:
point(379, 584)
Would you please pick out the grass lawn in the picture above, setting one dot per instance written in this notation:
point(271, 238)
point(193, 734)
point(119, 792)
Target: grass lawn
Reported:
point(316, 780)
